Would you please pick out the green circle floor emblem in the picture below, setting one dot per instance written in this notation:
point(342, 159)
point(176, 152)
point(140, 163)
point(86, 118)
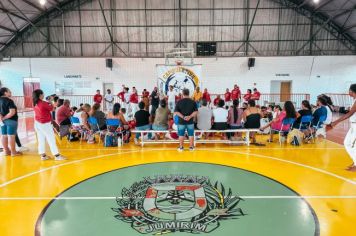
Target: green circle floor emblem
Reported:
point(180, 198)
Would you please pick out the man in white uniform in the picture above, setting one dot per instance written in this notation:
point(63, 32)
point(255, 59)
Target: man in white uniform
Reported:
point(171, 94)
point(109, 100)
point(350, 139)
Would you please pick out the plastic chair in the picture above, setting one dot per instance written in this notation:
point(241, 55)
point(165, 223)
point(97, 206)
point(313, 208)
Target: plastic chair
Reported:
point(286, 122)
point(176, 119)
point(113, 124)
point(94, 127)
point(321, 121)
point(74, 120)
point(76, 123)
point(306, 121)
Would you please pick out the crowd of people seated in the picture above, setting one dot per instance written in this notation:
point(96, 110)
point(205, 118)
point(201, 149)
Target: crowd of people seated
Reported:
point(156, 112)
point(179, 111)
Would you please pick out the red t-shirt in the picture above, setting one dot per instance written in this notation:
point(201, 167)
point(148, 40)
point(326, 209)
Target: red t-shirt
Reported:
point(43, 112)
point(206, 96)
point(216, 101)
point(235, 94)
point(179, 97)
point(227, 97)
point(247, 96)
point(62, 113)
point(98, 98)
point(121, 95)
point(147, 94)
point(134, 98)
point(256, 95)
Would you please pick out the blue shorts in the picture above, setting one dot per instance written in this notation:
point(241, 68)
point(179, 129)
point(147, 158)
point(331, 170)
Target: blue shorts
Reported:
point(183, 128)
point(9, 127)
point(159, 127)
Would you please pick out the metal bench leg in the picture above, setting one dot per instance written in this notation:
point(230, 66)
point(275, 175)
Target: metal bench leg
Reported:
point(194, 143)
point(248, 138)
point(142, 140)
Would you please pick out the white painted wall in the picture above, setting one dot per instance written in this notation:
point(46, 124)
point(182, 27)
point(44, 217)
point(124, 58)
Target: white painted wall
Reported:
point(336, 73)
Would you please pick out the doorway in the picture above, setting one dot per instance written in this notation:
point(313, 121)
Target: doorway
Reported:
point(286, 87)
point(107, 86)
point(29, 85)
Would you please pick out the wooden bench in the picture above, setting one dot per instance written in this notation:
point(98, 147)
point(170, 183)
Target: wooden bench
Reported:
point(246, 141)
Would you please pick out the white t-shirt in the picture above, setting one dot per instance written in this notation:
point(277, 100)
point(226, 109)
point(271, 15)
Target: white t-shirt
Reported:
point(127, 97)
point(353, 117)
point(109, 97)
point(329, 116)
point(220, 114)
point(79, 116)
point(171, 96)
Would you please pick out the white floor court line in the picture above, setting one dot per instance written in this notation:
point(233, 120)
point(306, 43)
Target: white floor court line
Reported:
point(293, 163)
point(114, 197)
point(63, 164)
point(212, 148)
point(144, 150)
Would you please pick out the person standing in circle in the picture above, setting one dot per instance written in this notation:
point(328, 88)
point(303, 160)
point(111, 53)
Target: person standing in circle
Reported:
point(43, 126)
point(206, 97)
point(171, 95)
point(154, 98)
point(197, 96)
point(350, 139)
point(98, 97)
point(109, 100)
point(227, 96)
point(8, 122)
point(121, 95)
point(235, 93)
point(186, 110)
point(134, 101)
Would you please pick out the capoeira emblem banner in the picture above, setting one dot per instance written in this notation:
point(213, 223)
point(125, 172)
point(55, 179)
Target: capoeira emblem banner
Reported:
point(179, 77)
point(168, 204)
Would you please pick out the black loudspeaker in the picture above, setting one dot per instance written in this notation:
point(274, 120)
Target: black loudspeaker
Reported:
point(109, 63)
point(251, 62)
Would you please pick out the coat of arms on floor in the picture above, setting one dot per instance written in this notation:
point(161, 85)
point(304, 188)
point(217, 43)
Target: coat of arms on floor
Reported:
point(176, 203)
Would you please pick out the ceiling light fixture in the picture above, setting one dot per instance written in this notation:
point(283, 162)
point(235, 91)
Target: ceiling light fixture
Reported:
point(42, 2)
point(316, 1)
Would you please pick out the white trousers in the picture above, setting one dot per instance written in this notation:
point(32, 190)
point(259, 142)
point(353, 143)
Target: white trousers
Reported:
point(45, 132)
point(109, 106)
point(134, 108)
point(171, 105)
point(350, 142)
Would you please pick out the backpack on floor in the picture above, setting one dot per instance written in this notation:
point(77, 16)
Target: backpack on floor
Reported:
point(111, 140)
point(295, 137)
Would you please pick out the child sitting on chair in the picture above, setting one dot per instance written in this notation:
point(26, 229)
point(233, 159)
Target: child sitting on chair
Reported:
point(277, 123)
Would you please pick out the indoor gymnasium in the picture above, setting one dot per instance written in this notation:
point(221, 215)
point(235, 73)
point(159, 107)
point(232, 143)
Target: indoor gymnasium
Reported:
point(177, 117)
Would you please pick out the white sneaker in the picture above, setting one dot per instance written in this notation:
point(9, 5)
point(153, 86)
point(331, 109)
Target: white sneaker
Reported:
point(180, 149)
point(60, 158)
point(24, 149)
point(45, 158)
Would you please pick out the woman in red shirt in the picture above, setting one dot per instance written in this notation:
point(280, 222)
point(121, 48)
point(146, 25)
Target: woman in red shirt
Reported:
point(248, 95)
point(206, 96)
point(227, 98)
point(43, 126)
point(134, 101)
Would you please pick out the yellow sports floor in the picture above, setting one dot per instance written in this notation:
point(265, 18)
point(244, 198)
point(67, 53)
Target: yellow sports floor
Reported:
point(315, 172)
